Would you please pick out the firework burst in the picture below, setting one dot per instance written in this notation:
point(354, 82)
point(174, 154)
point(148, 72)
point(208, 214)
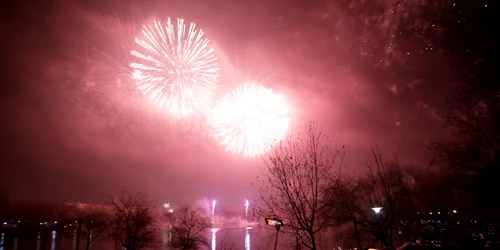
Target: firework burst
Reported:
point(250, 120)
point(175, 67)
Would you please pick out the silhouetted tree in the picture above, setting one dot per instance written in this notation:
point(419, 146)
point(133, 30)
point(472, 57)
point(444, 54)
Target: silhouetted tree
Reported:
point(470, 156)
point(297, 173)
point(53, 216)
point(344, 206)
point(433, 193)
point(386, 185)
point(189, 225)
point(132, 224)
point(95, 222)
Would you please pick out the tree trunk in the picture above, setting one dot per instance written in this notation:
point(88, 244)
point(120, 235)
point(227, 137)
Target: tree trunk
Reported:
point(313, 242)
point(78, 233)
point(356, 232)
point(391, 229)
point(297, 245)
point(385, 243)
point(89, 239)
point(87, 247)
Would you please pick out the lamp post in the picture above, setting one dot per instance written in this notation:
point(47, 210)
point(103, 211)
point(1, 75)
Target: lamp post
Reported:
point(277, 223)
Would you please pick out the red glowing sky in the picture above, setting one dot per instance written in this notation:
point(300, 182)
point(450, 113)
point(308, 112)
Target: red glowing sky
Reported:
point(75, 128)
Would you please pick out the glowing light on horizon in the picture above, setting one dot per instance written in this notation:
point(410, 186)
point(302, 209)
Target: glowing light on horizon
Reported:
point(175, 67)
point(250, 120)
point(213, 209)
point(246, 209)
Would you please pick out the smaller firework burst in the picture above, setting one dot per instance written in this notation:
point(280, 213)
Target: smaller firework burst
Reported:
point(250, 120)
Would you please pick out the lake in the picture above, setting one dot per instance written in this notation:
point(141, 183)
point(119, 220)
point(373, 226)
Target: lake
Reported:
point(258, 238)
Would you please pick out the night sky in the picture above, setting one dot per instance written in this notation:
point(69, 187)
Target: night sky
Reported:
point(74, 127)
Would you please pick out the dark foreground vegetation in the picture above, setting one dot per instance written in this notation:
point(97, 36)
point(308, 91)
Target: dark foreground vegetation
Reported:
point(127, 221)
point(387, 205)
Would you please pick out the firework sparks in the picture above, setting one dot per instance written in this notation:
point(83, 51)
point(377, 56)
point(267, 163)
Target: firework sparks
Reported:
point(175, 67)
point(250, 120)
point(213, 210)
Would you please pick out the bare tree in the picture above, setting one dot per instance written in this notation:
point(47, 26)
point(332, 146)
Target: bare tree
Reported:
point(188, 227)
point(54, 216)
point(345, 197)
point(386, 186)
point(297, 173)
point(132, 224)
point(94, 222)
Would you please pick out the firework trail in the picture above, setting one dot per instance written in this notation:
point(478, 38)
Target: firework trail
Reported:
point(213, 209)
point(213, 206)
point(246, 209)
point(250, 120)
point(175, 67)
point(247, 239)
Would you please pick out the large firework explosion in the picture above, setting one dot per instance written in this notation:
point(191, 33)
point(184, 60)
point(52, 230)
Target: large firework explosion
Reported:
point(176, 68)
point(250, 120)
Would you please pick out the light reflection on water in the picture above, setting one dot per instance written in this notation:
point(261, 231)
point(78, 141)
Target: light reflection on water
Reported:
point(53, 242)
point(214, 238)
point(247, 239)
point(2, 240)
point(38, 243)
point(240, 238)
point(227, 238)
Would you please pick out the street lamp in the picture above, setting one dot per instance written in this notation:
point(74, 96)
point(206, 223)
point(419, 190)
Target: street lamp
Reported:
point(277, 223)
point(376, 209)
